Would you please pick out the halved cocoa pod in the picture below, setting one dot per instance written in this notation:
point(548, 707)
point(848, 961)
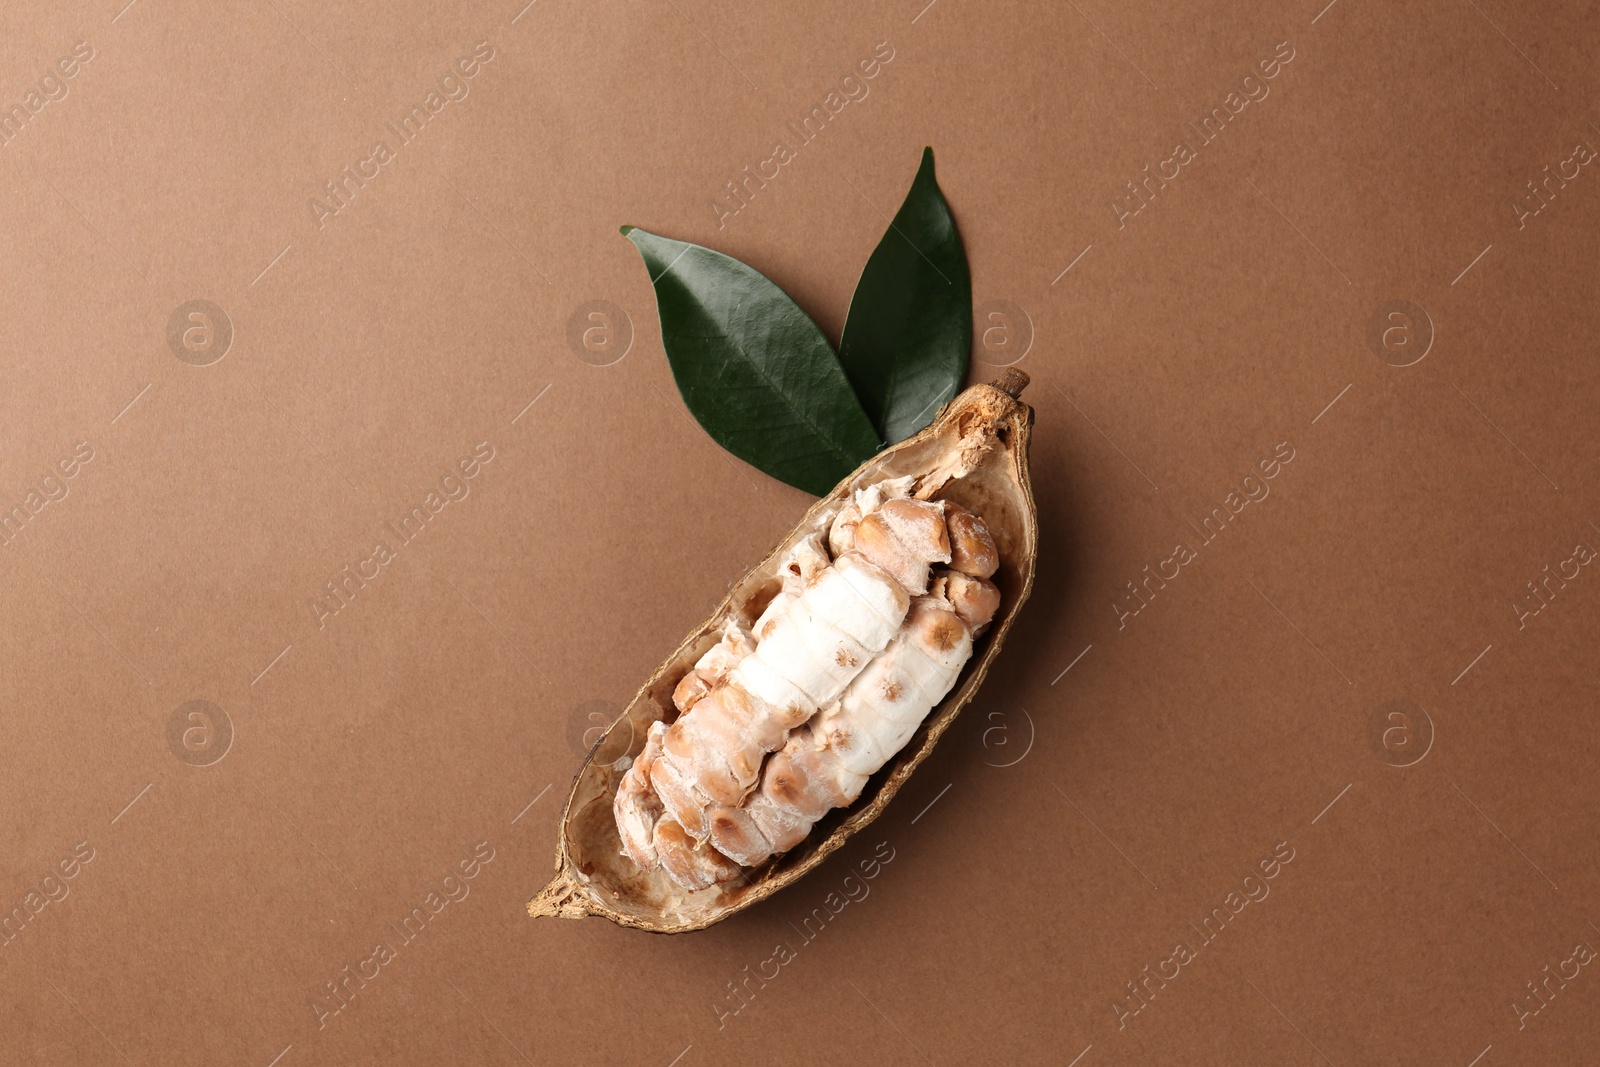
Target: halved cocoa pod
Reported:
point(975, 454)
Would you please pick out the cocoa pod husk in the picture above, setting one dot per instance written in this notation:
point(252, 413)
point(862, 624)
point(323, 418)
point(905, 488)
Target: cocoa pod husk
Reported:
point(974, 453)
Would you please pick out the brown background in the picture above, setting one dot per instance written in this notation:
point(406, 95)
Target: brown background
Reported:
point(1074, 824)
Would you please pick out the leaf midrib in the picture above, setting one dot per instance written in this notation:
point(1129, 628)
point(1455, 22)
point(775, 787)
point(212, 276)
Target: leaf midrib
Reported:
point(800, 416)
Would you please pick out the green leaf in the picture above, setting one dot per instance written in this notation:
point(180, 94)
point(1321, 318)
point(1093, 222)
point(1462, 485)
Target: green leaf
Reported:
point(909, 330)
point(753, 369)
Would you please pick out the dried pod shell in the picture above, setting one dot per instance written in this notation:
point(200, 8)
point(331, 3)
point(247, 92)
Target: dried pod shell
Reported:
point(974, 454)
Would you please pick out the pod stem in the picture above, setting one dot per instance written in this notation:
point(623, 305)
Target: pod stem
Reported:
point(559, 900)
point(1012, 383)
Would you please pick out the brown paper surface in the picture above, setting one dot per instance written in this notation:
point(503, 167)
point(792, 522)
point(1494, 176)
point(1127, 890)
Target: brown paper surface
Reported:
point(1290, 758)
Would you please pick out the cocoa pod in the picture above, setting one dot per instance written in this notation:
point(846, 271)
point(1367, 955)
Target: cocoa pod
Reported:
point(975, 453)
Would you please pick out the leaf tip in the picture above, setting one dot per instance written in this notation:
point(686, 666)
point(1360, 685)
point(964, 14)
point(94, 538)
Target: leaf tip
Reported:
point(625, 230)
